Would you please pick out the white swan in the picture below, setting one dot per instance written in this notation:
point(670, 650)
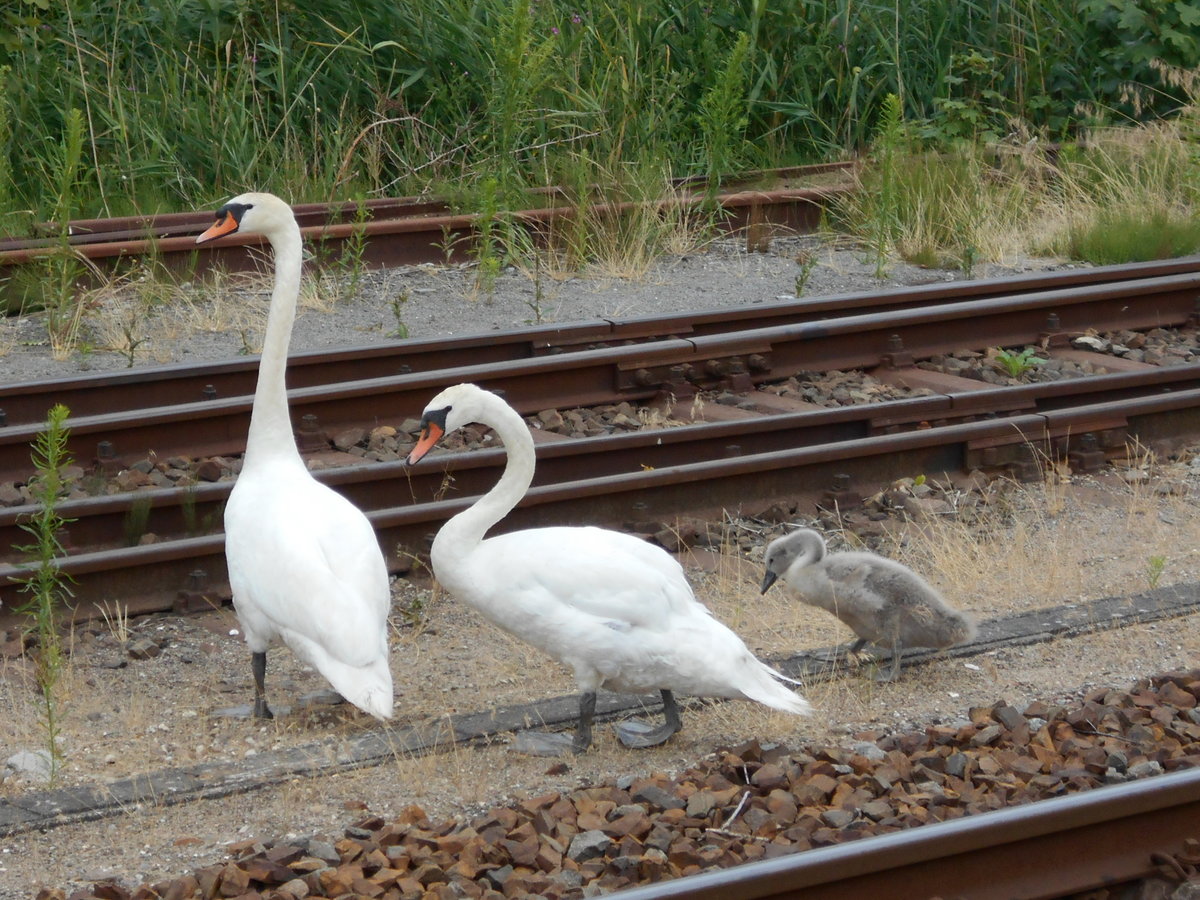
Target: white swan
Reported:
point(881, 600)
point(304, 563)
point(617, 610)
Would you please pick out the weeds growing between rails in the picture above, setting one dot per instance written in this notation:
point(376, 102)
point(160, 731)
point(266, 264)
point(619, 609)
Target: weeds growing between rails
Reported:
point(47, 587)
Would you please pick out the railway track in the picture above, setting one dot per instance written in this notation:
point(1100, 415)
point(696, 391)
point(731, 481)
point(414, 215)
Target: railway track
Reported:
point(407, 230)
point(165, 387)
point(1100, 840)
point(777, 447)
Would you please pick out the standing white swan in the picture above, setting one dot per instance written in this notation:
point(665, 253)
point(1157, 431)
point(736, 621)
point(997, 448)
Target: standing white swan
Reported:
point(881, 600)
point(304, 563)
point(617, 610)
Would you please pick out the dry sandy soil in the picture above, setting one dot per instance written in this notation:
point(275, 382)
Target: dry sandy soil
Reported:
point(1012, 547)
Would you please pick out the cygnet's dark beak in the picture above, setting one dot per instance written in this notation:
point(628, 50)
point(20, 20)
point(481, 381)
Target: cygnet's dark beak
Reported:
point(768, 580)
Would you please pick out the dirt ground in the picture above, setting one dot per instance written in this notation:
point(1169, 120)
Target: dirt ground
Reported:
point(1067, 539)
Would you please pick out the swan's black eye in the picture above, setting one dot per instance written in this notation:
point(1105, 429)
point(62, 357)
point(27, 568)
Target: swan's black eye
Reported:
point(436, 417)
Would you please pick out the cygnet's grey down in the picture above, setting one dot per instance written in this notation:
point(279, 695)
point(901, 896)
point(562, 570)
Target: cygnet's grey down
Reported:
point(882, 601)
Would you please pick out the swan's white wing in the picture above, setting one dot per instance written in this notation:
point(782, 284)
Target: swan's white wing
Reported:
point(604, 574)
point(306, 561)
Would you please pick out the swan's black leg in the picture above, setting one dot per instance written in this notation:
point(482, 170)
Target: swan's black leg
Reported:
point(637, 738)
point(258, 664)
point(671, 712)
point(583, 731)
point(897, 652)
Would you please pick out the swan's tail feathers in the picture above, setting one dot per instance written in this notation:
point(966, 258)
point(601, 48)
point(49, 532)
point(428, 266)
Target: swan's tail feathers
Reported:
point(763, 686)
point(965, 629)
point(950, 627)
point(369, 688)
point(374, 699)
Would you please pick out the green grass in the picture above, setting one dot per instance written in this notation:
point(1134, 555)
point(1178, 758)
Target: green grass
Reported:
point(184, 103)
point(1130, 235)
point(110, 107)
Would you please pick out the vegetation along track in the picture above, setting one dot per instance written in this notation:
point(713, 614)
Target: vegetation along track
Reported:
point(770, 447)
point(404, 230)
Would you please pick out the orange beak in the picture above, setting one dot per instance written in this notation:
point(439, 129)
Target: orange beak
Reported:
point(226, 224)
point(430, 435)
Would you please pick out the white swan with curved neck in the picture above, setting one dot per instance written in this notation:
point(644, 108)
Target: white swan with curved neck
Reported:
point(617, 610)
point(304, 563)
point(883, 601)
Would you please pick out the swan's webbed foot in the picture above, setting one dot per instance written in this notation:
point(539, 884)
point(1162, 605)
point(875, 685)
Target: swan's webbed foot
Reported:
point(541, 743)
point(852, 652)
point(638, 735)
point(258, 665)
point(893, 671)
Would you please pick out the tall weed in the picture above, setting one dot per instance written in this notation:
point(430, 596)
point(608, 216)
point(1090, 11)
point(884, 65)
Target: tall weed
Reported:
point(47, 587)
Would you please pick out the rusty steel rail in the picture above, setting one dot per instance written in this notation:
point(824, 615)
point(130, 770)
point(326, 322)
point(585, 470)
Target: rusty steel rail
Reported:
point(192, 222)
point(673, 365)
point(410, 230)
point(170, 513)
point(110, 392)
point(192, 570)
point(1101, 838)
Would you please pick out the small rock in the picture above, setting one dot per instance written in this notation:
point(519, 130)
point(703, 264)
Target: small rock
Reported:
point(588, 845)
point(1146, 769)
point(869, 749)
point(323, 850)
point(656, 796)
point(209, 470)
point(700, 804)
point(143, 648)
point(837, 818)
point(1009, 717)
point(34, 765)
point(351, 437)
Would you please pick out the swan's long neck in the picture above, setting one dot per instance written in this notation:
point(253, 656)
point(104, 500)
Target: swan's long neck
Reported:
point(812, 548)
point(465, 531)
point(270, 436)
